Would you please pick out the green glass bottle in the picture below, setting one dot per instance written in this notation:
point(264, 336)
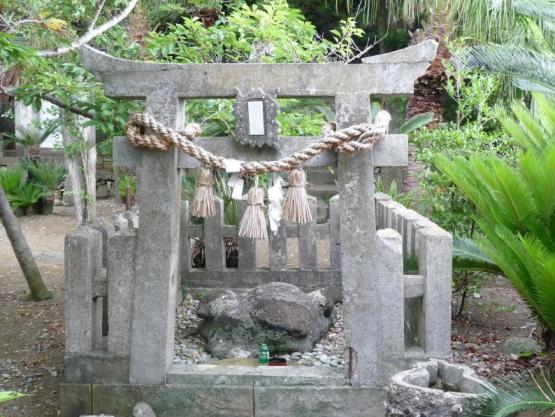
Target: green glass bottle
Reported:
point(264, 356)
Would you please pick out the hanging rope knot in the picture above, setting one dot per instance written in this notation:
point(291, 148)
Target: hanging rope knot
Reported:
point(296, 208)
point(144, 131)
point(203, 203)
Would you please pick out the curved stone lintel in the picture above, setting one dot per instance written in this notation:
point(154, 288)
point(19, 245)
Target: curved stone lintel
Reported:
point(387, 74)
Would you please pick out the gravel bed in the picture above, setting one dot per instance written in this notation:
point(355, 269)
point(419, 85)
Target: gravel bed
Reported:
point(189, 347)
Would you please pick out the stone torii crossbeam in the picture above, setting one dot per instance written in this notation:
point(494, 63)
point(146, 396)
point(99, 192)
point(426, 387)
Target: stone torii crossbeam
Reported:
point(374, 323)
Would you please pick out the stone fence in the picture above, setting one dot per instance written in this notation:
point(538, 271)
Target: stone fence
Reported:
point(100, 279)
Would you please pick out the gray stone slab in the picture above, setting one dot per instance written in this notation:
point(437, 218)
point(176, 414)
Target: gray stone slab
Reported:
point(308, 239)
point(214, 248)
point(132, 79)
point(83, 263)
point(175, 401)
point(358, 230)
point(389, 273)
point(75, 399)
point(318, 402)
point(421, 52)
point(249, 375)
point(97, 368)
point(435, 264)
point(157, 269)
point(232, 278)
point(122, 248)
point(391, 151)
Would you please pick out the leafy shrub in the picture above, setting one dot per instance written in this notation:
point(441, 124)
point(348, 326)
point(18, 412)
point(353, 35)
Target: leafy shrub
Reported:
point(475, 129)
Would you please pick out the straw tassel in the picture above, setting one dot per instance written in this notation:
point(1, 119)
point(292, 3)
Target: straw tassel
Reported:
point(253, 223)
point(295, 207)
point(203, 204)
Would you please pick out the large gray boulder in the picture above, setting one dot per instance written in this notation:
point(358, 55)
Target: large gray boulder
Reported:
point(278, 314)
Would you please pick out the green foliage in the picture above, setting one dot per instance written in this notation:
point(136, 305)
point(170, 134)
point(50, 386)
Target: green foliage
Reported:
point(126, 182)
point(30, 136)
point(48, 175)
point(406, 199)
point(415, 122)
point(270, 31)
point(475, 129)
point(468, 256)
point(11, 180)
point(516, 214)
point(9, 396)
point(519, 393)
point(27, 195)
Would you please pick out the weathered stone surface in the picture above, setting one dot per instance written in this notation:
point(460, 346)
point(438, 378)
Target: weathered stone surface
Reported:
point(434, 389)
point(278, 314)
point(96, 367)
point(174, 401)
point(338, 401)
point(131, 79)
point(520, 345)
point(75, 400)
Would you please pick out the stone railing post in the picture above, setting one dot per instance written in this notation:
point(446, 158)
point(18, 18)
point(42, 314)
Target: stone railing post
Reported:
point(157, 270)
point(435, 247)
point(83, 264)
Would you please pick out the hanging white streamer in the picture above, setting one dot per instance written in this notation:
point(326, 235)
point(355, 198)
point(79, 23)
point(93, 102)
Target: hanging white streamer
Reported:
point(275, 197)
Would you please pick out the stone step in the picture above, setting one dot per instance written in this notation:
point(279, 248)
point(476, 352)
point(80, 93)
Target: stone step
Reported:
point(261, 375)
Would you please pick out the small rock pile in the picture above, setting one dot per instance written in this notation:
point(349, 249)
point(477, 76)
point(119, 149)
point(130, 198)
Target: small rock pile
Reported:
point(329, 352)
point(189, 347)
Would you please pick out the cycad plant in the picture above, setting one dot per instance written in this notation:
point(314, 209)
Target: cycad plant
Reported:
point(516, 208)
point(31, 138)
point(518, 393)
point(48, 175)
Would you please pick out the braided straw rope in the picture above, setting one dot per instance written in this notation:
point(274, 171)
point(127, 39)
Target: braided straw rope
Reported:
point(349, 140)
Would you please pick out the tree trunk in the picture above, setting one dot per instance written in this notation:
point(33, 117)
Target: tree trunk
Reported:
point(429, 93)
point(81, 168)
point(22, 252)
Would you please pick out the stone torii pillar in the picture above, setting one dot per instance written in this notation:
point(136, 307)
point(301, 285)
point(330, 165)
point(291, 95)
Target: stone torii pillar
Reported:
point(165, 87)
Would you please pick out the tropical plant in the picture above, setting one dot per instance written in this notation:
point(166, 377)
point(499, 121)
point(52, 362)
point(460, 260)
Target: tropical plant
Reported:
point(48, 175)
point(519, 393)
point(27, 195)
point(127, 188)
point(31, 138)
point(516, 211)
point(11, 179)
point(522, 43)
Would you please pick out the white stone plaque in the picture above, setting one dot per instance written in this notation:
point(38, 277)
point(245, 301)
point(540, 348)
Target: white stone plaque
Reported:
point(256, 118)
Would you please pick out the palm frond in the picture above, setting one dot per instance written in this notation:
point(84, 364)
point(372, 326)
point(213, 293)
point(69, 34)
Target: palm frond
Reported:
point(524, 392)
point(519, 63)
point(538, 9)
point(468, 256)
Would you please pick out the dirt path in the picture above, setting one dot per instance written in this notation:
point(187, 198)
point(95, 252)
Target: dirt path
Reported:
point(32, 334)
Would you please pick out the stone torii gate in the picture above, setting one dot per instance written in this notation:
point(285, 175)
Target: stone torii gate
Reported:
point(373, 310)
